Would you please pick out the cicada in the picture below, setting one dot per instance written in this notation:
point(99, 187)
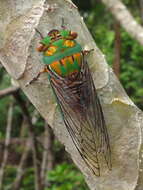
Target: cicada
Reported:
point(72, 83)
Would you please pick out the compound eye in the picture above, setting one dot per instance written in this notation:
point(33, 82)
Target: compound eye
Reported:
point(40, 48)
point(73, 34)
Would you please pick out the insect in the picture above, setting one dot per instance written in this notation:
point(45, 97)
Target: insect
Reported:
point(70, 78)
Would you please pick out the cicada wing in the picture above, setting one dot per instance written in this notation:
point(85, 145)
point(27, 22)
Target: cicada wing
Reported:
point(83, 116)
point(96, 119)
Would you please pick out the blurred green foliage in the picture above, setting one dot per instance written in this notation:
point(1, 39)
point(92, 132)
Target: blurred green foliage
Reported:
point(27, 182)
point(10, 173)
point(100, 23)
point(65, 177)
point(4, 103)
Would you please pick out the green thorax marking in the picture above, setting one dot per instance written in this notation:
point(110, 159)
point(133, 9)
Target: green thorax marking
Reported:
point(62, 51)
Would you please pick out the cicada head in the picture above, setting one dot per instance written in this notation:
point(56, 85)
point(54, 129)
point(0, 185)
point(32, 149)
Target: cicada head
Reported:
point(62, 34)
point(55, 35)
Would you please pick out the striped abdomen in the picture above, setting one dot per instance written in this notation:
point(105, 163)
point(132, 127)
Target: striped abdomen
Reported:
point(68, 65)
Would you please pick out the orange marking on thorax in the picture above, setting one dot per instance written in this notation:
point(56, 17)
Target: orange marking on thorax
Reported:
point(69, 43)
point(56, 67)
point(66, 60)
point(51, 50)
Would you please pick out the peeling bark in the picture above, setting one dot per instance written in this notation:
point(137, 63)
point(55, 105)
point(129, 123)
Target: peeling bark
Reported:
point(123, 118)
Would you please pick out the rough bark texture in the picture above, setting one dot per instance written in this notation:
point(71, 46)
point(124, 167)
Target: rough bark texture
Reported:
point(18, 41)
point(126, 20)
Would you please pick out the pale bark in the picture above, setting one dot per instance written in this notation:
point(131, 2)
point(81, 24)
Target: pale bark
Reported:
point(123, 118)
point(122, 14)
point(7, 142)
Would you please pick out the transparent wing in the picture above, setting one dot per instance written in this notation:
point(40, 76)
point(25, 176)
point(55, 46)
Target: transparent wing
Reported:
point(83, 116)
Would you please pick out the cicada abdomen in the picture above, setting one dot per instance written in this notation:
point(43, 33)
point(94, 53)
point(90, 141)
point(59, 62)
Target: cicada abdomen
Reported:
point(73, 86)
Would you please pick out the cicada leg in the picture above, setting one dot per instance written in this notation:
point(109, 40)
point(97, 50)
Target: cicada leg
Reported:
point(86, 52)
point(42, 37)
point(45, 70)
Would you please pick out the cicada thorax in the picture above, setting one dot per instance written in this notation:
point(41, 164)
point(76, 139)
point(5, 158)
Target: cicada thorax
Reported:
point(62, 53)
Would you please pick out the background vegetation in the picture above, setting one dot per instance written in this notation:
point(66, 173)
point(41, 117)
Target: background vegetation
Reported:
point(62, 174)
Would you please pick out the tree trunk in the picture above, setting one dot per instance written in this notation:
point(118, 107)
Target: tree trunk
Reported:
point(117, 49)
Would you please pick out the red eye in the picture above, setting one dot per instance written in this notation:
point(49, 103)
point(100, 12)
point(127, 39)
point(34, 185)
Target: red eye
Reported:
point(73, 35)
point(40, 48)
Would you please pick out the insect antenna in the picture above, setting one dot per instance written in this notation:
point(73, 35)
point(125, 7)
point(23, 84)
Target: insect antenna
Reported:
point(39, 33)
point(62, 25)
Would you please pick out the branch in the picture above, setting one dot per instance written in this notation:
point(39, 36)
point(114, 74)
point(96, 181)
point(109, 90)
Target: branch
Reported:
point(123, 119)
point(48, 154)
point(7, 142)
point(21, 168)
point(20, 140)
point(8, 91)
point(119, 10)
point(21, 102)
point(14, 140)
